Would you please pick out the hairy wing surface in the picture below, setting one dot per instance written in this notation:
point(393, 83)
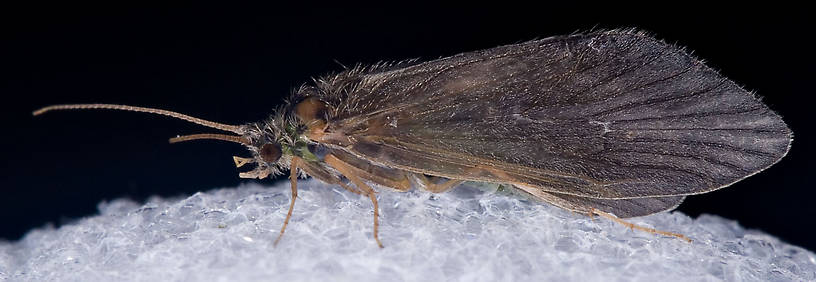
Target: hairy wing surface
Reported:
point(607, 115)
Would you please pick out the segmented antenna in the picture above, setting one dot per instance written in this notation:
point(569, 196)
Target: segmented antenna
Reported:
point(222, 137)
point(226, 127)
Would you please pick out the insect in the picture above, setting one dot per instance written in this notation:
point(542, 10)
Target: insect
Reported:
point(612, 123)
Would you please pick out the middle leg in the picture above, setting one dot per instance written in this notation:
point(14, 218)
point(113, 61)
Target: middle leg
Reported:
point(349, 173)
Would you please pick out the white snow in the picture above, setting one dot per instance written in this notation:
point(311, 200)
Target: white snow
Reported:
point(463, 235)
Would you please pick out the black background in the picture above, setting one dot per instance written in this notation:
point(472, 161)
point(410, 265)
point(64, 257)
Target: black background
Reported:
point(236, 65)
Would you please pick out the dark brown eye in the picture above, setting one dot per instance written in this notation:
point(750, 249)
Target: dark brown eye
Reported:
point(270, 152)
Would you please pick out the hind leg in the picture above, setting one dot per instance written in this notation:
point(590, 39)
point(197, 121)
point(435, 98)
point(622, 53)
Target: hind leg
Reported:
point(430, 186)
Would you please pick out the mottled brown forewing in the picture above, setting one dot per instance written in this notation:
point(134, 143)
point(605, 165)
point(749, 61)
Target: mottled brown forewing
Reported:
point(600, 119)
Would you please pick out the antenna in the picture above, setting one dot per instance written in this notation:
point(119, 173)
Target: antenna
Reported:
point(225, 127)
point(222, 137)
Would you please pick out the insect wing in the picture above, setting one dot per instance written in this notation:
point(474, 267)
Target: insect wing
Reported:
point(622, 208)
point(605, 115)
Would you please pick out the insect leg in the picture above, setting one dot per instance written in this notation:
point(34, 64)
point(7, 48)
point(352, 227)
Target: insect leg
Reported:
point(432, 187)
point(621, 208)
point(387, 177)
point(350, 188)
point(638, 227)
point(347, 171)
point(293, 175)
point(428, 185)
point(321, 174)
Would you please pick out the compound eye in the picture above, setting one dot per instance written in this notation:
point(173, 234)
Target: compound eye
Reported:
point(270, 152)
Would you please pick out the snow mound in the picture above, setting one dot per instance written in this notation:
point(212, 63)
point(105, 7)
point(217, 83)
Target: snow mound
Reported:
point(466, 234)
